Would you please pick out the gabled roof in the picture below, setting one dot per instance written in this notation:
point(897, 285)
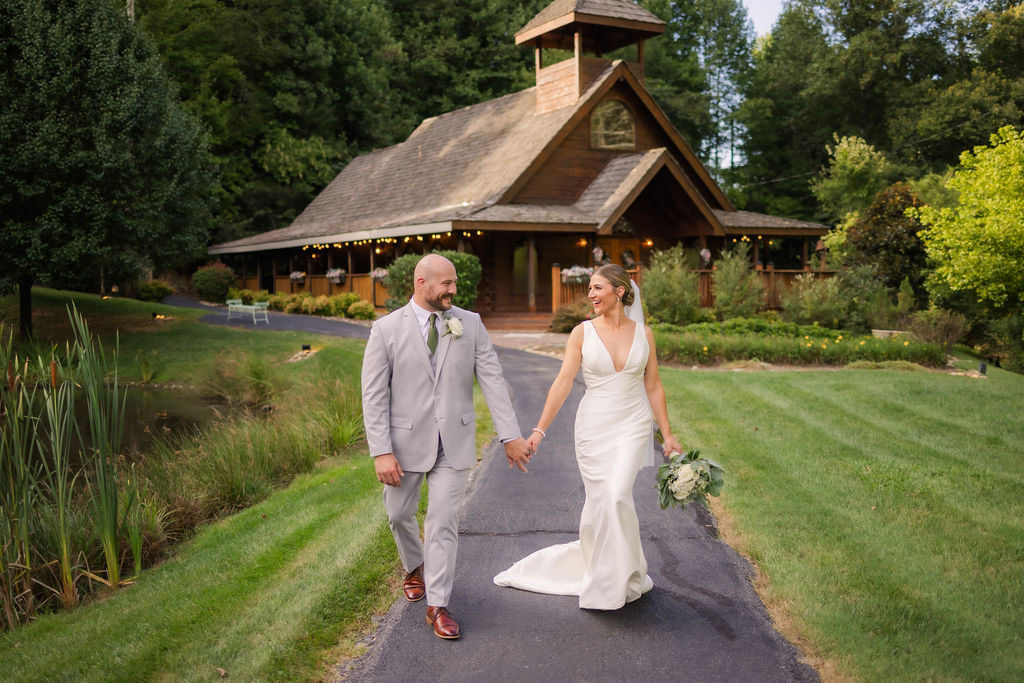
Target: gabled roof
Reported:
point(467, 166)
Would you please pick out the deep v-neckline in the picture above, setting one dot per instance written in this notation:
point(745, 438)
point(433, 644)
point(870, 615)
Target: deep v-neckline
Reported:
point(608, 353)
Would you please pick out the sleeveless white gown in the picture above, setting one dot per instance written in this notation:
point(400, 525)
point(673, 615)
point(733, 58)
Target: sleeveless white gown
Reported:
point(606, 567)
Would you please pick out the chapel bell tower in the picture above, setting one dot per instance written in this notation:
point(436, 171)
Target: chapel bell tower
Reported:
point(589, 29)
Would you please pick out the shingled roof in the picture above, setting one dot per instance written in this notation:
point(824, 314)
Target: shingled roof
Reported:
point(450, 167)
point(554, 23)
point(466, 165)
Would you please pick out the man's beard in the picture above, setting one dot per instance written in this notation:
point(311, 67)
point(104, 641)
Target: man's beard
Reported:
point(441, 303)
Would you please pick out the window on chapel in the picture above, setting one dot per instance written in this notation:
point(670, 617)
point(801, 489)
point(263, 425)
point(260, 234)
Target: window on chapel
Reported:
point(611, 126)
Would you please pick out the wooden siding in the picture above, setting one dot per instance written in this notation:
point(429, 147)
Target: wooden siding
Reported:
point(574, 165)
point(557, 86)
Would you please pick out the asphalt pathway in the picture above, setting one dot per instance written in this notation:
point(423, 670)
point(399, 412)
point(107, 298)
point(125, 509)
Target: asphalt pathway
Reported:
point(701, 622)
point(218, 315)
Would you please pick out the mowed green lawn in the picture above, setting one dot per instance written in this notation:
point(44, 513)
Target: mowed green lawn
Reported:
point(262, 595)
point(886, 508)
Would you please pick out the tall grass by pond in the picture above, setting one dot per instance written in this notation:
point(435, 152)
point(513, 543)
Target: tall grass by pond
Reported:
point(73, 501)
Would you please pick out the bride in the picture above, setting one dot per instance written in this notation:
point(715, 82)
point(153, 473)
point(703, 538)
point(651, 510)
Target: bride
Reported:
point(606, 567)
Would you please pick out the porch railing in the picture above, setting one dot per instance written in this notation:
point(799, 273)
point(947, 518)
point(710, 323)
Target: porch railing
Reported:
point(776, 283)
point(362, 284)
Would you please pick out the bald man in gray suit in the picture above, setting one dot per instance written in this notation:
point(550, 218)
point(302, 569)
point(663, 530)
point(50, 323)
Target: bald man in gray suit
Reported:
point(418, 373)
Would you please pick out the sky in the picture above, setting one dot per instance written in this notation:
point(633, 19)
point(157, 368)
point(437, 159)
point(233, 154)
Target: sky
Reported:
point(763, 13)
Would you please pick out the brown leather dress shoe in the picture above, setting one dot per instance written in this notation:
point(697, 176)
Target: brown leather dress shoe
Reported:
point(413, 586)
point(444, 626)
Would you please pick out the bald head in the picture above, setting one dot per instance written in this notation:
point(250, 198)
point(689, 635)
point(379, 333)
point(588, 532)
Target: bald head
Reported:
point(434, 283)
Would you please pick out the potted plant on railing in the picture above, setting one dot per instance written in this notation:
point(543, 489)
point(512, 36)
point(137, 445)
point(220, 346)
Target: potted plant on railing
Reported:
point(379, 275)
point(336, 275)
point(298, 277)
point(576, 275)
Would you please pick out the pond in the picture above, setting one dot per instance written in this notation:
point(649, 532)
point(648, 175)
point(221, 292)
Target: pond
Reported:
point(152, 413)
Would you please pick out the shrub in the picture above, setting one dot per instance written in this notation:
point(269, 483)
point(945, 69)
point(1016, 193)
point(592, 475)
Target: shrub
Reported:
point(1006, 337)
point(815, 300)
point(739, 292)
point(399, 281)
point(938, 326)
point(570, 315)
point(278, 300)
point(249, 296)
point(316, 305)
point(362, 310)
point(155, 290)
point(212, 282)
point(670, 291)
point(341, 302)
point(468, 268)
point(295, 302)
point(824, 347)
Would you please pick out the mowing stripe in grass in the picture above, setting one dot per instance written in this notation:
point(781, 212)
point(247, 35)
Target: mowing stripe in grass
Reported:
point(239, 596)
point(877, 509)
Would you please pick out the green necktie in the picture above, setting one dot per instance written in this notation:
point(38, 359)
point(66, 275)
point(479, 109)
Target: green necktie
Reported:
point(432, 334)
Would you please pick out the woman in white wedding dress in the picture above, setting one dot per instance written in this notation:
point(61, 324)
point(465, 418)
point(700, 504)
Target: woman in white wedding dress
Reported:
point(606, 567)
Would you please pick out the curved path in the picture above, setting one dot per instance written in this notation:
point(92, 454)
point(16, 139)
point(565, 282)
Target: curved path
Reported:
point(701, 622)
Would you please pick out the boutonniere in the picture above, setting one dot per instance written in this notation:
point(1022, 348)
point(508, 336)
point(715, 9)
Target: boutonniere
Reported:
point(453, 326)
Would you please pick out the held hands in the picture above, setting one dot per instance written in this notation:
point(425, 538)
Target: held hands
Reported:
point(389, 472)
point(535, 438)
point(671, 446)
point(518, 453)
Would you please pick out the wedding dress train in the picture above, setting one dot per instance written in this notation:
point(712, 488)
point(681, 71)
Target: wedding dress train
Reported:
point(606, 567)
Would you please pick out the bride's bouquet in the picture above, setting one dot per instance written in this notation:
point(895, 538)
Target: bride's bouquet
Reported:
point(687, 477)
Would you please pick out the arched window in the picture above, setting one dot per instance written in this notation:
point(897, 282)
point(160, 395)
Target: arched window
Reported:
point(611, 126)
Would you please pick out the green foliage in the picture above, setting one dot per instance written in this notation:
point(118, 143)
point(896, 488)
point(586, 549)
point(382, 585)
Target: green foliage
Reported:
point(670, 291)
point(155, 290)
point(939, 326)
point(886, 236)
point(856, 173)
point(399, 281)
point(753, 327)
point(212, 282)
point(919, 81)
point(1005, 343)
point(979, 244)
point(362, 310)
point(905, 299)
point(469, 271)
point(103, 169)
point(340, 304)
point(820, 347)
point(815, 300)
point(570, 315)
point(738, 290)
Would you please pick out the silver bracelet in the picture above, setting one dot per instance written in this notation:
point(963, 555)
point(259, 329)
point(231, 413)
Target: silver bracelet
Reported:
point(542, 432)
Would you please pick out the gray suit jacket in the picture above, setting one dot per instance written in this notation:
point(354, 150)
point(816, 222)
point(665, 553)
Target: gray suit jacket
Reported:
point(407, 406)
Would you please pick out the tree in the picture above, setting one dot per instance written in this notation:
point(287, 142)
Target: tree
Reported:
point(979, 244)
point(290, 92)
point(887, 238)
point(856, 173)
point(101, 164)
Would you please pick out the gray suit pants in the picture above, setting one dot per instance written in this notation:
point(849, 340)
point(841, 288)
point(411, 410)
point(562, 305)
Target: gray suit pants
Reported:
point(446, 487)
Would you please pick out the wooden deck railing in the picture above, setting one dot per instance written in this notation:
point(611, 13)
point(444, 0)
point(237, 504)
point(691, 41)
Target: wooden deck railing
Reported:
point(362, 284)
point(776, 283)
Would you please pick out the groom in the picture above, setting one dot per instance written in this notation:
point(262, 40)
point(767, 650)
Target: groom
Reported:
point(418, 375)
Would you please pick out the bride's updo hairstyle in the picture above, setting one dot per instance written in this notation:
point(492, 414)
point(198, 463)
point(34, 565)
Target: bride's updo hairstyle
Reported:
point(618, 277)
